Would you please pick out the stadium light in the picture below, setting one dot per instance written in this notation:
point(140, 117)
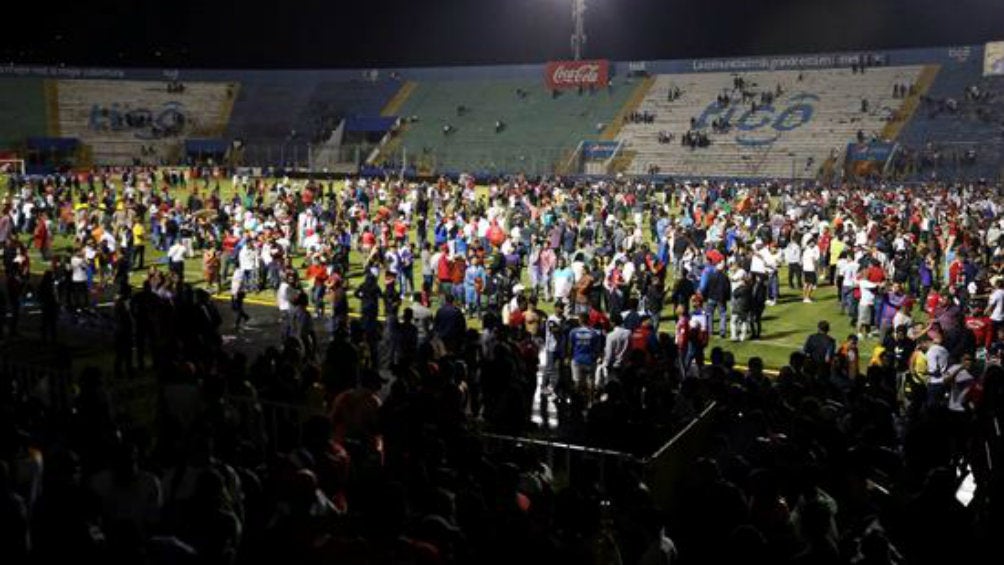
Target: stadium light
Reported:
point(578, 28)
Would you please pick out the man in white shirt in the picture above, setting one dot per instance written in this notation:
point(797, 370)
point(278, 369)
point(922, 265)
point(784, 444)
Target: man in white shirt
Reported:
point(247, 260)
point(793, 257)
point(284, 300)
point(616, 347)
point(995, 305)
point(176, 259)
point(866, 306)
point(78, 282)
point(810, 258)
point(937, 369)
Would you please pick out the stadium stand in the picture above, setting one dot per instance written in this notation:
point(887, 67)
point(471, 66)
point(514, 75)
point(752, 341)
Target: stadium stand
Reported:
point(537, 129)
point(503, 119)
point(22, 110)
point(275, 117)
point(125, 121)
point(813, 117)
point(962, 112)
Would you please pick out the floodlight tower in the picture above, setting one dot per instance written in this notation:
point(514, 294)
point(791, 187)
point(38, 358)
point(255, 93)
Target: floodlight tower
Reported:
point(578, 28)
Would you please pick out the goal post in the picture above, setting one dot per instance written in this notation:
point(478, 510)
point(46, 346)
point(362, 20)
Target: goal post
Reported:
point(9, 168)
point(12, 167)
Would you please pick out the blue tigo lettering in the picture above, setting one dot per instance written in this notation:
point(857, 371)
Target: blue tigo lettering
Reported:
point(798, 113)
point(765, 113)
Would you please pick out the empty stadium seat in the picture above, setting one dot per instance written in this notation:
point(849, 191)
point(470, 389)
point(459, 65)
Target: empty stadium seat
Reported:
point(282, 116)
point(818, 112)
point(22, 110)
point(539, 130)
point(95, 112)
point(977, 125)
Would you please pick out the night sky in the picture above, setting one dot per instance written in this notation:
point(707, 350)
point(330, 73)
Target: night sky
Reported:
point(360, 33)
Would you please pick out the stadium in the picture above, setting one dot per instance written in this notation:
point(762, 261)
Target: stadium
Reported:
point(578, 309)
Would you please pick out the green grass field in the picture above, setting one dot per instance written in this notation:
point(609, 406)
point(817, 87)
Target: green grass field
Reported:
point(785, 325)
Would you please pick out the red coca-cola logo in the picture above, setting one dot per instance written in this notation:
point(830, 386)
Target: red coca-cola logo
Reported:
point(583, 73)
point(564, 74)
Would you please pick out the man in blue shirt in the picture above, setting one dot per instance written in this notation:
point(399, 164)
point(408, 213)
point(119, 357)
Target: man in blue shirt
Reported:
point(585, 344)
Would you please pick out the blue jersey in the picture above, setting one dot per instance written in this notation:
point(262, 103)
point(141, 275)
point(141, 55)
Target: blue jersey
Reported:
point(585, 343)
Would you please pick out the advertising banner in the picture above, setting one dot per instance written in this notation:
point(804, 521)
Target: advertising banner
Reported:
point(559, 75)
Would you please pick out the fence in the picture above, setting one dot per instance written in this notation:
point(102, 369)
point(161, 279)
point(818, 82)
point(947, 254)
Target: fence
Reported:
point(48, 381)
point(282, 424)
point(477, 158)
point(664, 470)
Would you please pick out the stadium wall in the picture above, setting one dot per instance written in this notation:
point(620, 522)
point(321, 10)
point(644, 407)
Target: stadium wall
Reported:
point(936, 55)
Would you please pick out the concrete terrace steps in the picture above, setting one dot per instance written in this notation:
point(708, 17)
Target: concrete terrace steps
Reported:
point(22, 110)
point(539, 132)
point(278, 118)
point(835, 98)
point(203, 106)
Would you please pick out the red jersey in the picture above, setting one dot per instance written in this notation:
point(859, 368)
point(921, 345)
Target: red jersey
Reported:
point(598, 320)
point(400, 229)
point(229, 242)
point(982, 328)
point(317, 273)
point(516, 318)
point(368, 239)
point(458, 267)
point(933, 299)
point(955, 272)
point(443, 269)
point(875, 274)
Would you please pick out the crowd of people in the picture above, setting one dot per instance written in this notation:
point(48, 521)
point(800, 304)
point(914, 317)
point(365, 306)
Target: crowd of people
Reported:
point(413, 315)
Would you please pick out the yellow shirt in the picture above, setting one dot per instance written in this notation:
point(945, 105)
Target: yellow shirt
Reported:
point(138, 232)
point(918, 365)
point(836, 248)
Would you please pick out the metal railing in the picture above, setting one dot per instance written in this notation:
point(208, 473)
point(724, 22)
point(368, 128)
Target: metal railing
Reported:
point(280, 422)
point(48, 382)
point(282, 425)
point(663, 470)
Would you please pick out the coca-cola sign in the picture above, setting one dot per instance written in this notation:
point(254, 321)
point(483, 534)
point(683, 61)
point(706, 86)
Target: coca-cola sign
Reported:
point(572, 74)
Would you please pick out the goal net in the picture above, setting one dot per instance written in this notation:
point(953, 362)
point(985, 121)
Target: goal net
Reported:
point(9, 167)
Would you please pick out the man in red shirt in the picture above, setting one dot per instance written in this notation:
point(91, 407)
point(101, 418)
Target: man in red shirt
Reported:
point(443, 272)
point(317, 276)
point(981, 326)
point(400, 230)
point(229, 253)
point(458, 268)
